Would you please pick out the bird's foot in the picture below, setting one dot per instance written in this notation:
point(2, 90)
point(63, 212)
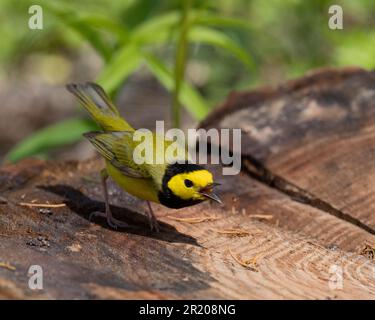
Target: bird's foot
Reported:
point(111, 221)
point(154, 224)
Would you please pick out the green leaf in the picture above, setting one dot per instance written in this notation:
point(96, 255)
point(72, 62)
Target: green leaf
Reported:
point(92, 37)
point(56, 135)
point(105, 23)
point(190, 98)
point(201, 34)
point(220, 39)
point(156, 29)
point(70, 18)
point(208, 19)
point(164, 27)
point(123, 63)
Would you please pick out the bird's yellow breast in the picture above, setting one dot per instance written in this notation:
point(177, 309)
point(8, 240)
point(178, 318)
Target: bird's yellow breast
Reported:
point(140, 188)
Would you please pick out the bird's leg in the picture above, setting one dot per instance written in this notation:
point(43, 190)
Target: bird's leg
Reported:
point(152, 218)
point(112, 222)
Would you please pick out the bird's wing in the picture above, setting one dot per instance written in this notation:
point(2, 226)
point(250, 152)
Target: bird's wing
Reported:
point(117, 148)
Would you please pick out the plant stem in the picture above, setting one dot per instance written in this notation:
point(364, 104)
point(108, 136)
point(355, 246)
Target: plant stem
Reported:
point(180, 64)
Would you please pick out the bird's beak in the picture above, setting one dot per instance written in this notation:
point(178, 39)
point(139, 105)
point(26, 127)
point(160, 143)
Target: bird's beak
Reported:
point(208, 192)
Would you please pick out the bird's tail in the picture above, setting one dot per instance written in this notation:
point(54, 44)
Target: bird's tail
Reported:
point(101, 109)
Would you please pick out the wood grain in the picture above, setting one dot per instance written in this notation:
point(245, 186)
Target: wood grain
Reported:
point(299, 214)
point(312, 138)
point(88, 260)
point(254, 198)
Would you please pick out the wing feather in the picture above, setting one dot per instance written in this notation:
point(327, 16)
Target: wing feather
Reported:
point(117, 148)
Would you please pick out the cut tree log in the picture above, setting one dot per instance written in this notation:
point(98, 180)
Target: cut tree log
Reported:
point(313, 139)
point(274, 237)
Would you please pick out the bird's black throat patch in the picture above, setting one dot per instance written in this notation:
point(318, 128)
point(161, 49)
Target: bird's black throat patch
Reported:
point(166, 196)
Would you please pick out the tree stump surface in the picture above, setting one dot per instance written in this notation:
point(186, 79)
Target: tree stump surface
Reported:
point(296, 220)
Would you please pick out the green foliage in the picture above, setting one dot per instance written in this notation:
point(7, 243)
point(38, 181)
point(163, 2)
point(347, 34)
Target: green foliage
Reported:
point(130, 45)
point(194, 103)
point(124, 62)
point(220, 40)
point(180, 63)
point(56, 135)
point(274, 40)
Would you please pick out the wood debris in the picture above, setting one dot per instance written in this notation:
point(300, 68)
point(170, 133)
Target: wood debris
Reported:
point(3, 200)
point(194, 219)
point(90, 179)
point(368, 251)
point(8, 266)
point(234, 232)
point(235, 199)
point(75, 247)
point(4, 235)
point(261, 216)
point(234, 210)
point(42, 205)
point(248, 263)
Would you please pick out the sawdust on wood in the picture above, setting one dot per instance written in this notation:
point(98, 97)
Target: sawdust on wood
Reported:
point(4, 235)
point(75, 247)
point(261, 216)
point(247, 263)
point(234, 232)
point(368, 251)
point(7, 265)
point(3, 200)
point(42, 205)
point(195, 219)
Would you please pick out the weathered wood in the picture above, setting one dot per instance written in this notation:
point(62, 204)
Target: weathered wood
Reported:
point(88, 260)
point(312, 138)
point(301, 208)
point(254, 198)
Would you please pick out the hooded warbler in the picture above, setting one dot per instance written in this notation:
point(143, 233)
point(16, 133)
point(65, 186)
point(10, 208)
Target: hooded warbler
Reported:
point(174, 185)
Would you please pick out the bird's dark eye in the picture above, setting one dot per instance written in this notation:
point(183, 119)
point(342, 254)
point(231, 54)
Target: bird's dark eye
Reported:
point(188, 183)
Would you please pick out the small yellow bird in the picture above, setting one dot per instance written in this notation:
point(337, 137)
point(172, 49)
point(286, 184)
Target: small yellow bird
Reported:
point(175, 185)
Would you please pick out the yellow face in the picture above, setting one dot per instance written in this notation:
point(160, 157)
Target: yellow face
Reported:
point(187, 185)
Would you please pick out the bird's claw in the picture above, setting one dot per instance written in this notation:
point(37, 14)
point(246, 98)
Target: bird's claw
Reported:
point(154, 225)
point(111, 221)
point(96, 214)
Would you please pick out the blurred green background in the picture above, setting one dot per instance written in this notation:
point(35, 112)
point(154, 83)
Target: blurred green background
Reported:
point(157, 57)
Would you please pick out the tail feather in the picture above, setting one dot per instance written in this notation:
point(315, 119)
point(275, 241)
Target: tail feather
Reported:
point(102, 110)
